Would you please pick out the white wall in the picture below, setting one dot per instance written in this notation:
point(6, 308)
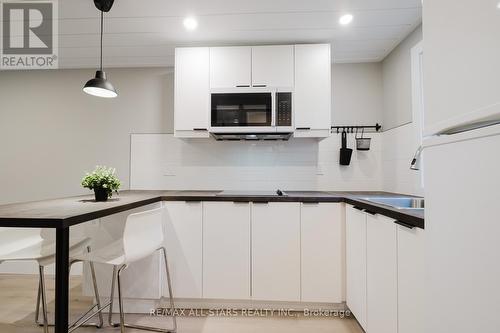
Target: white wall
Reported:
point(396, 76)
point(400, 138)
point(52, 132)
point(398, 147)
point(165, 162)
point(357, 94)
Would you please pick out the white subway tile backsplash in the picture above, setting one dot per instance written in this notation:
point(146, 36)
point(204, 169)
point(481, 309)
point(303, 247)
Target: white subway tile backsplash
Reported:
point(160, 161)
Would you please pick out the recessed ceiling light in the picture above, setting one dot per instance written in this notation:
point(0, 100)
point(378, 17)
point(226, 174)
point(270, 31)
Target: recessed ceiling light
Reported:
point(190, 23)
point(345, 19)
point(498, 5)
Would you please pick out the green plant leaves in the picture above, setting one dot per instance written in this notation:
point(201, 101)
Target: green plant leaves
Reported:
point(102, 177)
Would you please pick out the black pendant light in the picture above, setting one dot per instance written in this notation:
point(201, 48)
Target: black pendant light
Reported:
point(100, 86)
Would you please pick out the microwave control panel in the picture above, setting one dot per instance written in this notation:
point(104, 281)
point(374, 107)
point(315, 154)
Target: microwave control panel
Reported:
point(283, 109)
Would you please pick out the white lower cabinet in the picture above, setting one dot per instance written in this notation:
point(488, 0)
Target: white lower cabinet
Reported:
point(385, 273)
point(322, 242)
point(410, 280)
point(356, 263)
point(183, 227)
point(276, 251)
point(381, 273)
point(226, 250)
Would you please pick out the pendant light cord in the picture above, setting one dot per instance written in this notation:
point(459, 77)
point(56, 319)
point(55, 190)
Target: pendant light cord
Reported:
point(102, 20)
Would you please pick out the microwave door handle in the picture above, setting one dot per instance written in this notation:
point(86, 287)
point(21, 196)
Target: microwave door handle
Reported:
point(273, 109)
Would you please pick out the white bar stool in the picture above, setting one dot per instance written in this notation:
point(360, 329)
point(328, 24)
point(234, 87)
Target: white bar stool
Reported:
point(29, 245)
point(142, 237)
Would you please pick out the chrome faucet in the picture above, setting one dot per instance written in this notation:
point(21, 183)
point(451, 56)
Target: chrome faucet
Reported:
point(415, 162)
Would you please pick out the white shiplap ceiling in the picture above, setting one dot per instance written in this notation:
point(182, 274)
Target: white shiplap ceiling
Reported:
point(145, 32)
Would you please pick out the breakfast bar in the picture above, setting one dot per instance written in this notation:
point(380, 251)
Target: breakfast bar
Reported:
point(61, 214)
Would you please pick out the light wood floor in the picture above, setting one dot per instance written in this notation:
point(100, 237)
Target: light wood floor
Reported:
point(17, 312)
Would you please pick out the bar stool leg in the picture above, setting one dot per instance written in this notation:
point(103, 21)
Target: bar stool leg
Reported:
point(41, 292)
point(112, 296)
point(122, 324)
point(44, 300)
point(96, 292)
point(170, 292)
point(120, 300)
point(37, 308)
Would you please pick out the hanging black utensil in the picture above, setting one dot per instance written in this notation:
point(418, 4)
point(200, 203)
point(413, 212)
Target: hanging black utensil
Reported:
point(345, 153)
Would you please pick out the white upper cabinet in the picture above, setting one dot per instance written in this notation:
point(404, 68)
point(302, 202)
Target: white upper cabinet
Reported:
point(230, 67)
point(273, 66)
point(304, 70)
point(312, 90)
point(321, 252)
point(192, 98)
point(226, 250)
point(276, 251)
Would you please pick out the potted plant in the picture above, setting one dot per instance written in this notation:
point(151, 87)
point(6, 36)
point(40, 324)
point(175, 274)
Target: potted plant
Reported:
point(103, 181)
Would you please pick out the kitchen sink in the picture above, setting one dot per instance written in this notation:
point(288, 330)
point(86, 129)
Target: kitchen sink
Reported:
point(399, 202)
point(251, 194)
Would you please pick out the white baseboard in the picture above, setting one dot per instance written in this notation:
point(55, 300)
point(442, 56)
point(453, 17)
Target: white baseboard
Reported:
point(31, 268)
point(145, 306)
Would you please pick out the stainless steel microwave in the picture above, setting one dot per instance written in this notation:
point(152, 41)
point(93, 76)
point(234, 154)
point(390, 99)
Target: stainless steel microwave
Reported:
point(251, 112)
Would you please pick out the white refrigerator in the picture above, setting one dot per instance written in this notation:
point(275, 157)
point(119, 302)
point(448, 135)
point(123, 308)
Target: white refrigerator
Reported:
point(462, 230)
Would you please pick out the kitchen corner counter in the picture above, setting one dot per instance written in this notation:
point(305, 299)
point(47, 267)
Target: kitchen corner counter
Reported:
point(65, 212)
point(413, 217)
point(410, 216)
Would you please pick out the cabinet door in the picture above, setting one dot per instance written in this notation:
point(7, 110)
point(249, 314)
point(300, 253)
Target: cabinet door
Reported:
point(226, 250)
point(276, 251)
point(312, 90)
point(183, 226)
point(382, 285)
point(230, 67)
point(273, 66)
point(356, 263)
point(191, 102)
point(321, 252)
point(410, 280)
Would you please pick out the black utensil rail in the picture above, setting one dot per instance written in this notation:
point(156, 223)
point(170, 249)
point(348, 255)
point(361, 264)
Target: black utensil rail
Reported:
point(350, 129)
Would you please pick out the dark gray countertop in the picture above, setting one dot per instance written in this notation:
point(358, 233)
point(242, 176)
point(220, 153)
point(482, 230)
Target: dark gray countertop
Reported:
point(69, 211)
